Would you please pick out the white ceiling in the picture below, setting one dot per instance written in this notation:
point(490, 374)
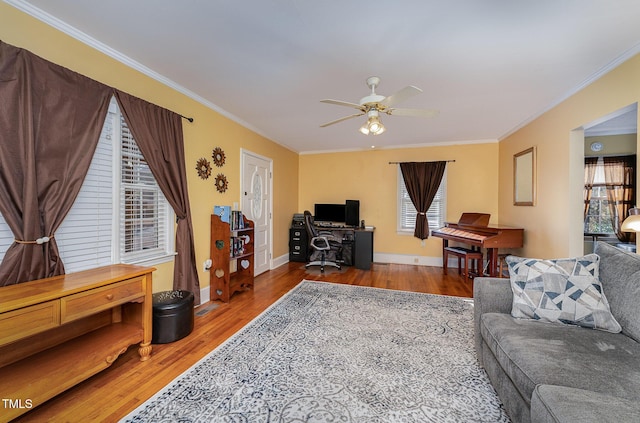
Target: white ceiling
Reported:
point(623, 121)
point(489, 66)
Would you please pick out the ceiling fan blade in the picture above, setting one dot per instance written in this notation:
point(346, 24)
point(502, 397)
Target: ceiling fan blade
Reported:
point(341, 119)
point(413, 112)
point(400, 96)
point(342, 103)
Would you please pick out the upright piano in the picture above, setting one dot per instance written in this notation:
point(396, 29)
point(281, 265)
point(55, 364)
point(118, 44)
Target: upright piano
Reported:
point(474, 229)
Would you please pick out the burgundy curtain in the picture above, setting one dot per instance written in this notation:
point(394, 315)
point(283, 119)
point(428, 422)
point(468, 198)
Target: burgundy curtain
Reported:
point(422, 180)
point(158, 133)
point(50, 123)
point(590, 165)
point(619, 176)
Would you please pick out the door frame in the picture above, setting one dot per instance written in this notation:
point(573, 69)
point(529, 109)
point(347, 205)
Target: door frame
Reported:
point(243, 154)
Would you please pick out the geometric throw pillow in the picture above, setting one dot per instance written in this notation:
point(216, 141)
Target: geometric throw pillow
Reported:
point(560, 291)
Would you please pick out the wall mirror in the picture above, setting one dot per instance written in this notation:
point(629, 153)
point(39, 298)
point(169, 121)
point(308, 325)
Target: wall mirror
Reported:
point(524, 178)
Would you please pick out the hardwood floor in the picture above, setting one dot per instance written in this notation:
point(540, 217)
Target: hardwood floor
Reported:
point(113, 393)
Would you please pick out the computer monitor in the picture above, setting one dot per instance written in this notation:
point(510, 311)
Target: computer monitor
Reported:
point(329, 213)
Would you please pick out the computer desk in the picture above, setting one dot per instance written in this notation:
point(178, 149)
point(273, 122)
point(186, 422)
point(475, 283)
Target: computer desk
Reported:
point(359, 239)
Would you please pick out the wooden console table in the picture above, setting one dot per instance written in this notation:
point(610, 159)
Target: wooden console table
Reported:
point(57, 332)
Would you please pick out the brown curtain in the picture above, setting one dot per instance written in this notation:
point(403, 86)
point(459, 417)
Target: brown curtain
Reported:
point(422, 180)
point(590, 164)
point(44, 155)
point(158, 133)
point(619, 176)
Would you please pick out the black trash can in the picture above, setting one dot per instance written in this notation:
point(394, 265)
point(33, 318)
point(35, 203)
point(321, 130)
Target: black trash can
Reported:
point(172, 316)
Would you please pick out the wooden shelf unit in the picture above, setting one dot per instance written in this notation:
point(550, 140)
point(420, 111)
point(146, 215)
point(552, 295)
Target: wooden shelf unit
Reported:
point(57, 332)
point(230, 272)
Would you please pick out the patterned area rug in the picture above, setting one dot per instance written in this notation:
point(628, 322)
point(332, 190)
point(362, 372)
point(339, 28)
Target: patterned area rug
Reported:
point(327, 352)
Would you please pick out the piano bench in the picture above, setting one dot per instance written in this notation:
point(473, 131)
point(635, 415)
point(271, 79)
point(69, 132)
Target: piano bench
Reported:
point(462, 253)
point(503, 269)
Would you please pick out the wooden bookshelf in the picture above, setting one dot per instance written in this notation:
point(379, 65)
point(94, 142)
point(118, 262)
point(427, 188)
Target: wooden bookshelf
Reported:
point(232, 247)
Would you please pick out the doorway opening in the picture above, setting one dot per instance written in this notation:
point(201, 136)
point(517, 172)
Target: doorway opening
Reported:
point(610, 178)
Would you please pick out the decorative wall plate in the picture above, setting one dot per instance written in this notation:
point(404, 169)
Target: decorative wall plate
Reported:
point(221, 183)
point(204, 168)
point(218, 157)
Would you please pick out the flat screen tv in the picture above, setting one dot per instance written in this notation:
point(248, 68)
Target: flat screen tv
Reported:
point(329, 213)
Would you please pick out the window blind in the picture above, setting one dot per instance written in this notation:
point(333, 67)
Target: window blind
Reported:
point(143, 210)
point(6, 237)
point(407, 212)
point(84, 238)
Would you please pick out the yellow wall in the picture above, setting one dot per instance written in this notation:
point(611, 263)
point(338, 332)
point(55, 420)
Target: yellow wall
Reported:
point(367, 176)
point(208, 131)
point(553, 227)
point(612, 145)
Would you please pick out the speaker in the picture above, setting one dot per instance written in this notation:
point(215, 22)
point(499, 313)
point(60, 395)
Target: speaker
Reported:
point(352, 213)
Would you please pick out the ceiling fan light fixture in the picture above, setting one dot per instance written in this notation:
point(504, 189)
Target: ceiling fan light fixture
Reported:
point(374, 104)
point(374, 126)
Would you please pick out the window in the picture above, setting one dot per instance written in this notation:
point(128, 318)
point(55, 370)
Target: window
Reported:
point(598, 219)
point(145, 215)
point(6, 237)
point(120, 214)
point(407, 212)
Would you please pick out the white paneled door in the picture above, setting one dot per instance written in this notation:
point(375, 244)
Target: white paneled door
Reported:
point(256, 204)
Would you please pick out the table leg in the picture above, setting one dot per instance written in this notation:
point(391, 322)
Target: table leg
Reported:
point(492, 258)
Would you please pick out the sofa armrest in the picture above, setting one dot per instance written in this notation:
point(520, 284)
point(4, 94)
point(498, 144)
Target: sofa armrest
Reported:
point(490, 295)
point(560, 404)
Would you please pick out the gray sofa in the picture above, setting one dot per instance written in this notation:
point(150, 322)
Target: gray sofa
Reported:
point(551, 372)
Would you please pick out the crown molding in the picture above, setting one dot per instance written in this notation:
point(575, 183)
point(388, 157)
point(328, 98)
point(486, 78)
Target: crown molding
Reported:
point(397, 147)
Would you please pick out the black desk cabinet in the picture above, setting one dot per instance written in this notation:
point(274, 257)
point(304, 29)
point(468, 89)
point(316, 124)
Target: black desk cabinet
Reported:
point(298, 244)
point(363, 254)
point(357, 246)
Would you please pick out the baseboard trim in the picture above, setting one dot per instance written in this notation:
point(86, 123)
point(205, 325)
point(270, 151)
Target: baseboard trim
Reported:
point(389, 258)
point(413, 260)
point(407, 259)
point(279, 261)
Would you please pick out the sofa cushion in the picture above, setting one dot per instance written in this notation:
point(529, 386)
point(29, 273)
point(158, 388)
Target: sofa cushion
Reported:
point(560, 291)
point(533, 352)
point(560, 404)
point(620, 278)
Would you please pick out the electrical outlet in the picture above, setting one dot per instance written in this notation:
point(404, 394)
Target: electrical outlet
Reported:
point(207, 265)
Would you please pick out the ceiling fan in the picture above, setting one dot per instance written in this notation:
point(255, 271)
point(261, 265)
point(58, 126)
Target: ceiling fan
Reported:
point(374, 104)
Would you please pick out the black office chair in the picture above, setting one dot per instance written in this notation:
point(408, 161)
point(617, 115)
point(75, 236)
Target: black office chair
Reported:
point(326, 247)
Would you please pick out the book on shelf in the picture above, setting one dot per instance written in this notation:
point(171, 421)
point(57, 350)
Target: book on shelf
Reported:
point(237, 222)
point(232, 217)
point(237, 246)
